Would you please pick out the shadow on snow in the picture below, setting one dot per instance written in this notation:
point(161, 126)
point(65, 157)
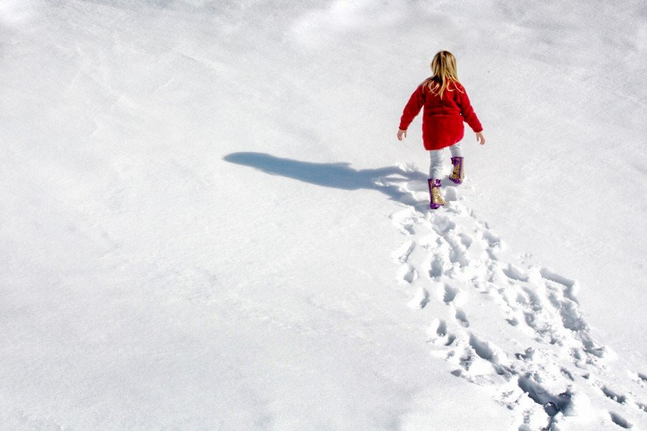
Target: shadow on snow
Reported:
point(334, 175)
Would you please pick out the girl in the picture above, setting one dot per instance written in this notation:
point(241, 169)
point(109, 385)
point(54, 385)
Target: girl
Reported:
point(446, 107)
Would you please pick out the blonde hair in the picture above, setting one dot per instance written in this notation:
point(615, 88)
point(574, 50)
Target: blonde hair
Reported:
point(443, 67)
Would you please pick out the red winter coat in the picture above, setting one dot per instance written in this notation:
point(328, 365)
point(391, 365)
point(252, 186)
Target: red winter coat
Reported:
point(442, 120)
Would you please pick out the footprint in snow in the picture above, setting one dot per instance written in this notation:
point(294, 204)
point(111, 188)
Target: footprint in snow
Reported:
point(515, 273)
point(404, 220)
point(439, 333)
point(401, 254)
point(420, 299)
point(461, 317)
point(620, 421)
point(450, 294)
point(437, 267)
point(407, 274)
point(613, 395)
point(466, 240)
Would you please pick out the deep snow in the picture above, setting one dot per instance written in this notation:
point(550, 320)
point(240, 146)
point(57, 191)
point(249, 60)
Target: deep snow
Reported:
point(208, 223)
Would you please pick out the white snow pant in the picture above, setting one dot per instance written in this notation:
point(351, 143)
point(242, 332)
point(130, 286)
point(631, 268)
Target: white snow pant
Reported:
point(437, 156)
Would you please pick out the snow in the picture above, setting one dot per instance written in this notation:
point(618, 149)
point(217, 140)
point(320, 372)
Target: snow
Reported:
point(209, 224)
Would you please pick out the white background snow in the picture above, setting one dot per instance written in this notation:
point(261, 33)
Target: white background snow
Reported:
point(207, 222)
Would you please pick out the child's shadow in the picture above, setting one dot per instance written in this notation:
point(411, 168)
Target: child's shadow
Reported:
point(335, 175)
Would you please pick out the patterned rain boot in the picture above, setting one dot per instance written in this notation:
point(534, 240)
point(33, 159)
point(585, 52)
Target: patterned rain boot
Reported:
point(434, 193)
point(458, 173)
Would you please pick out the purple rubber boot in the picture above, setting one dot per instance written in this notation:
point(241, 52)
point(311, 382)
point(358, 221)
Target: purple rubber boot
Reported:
point(458, 173)
point(436, 198)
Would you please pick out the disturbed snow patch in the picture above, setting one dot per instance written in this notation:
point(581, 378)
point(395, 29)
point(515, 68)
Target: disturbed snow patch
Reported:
point(505, 322)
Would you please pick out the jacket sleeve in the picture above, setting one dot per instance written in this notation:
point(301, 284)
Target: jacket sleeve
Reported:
point(411, 110)
point(468, 112)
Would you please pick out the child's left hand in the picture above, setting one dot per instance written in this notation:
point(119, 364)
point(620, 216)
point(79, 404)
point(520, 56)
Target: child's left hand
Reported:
point(480, 138)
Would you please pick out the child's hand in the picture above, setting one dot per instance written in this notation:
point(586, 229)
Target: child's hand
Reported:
point(401, 134)
point(480, 138)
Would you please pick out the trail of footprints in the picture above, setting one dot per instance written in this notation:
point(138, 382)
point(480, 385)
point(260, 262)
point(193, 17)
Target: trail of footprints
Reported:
point(504, 322)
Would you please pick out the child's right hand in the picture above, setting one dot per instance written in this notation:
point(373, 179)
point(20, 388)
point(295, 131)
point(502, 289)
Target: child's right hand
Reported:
point(480, 138)
point(401, 133)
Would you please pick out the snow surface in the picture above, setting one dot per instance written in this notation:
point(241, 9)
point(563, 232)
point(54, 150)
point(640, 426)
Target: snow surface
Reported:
point(207, 222)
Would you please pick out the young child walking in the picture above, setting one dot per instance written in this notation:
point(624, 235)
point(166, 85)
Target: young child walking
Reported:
point(446, 107)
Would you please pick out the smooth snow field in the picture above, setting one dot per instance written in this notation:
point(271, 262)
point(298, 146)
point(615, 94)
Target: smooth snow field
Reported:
point(207, 221)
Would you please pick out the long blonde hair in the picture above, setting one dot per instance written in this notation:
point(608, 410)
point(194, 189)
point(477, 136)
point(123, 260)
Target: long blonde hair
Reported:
point(443, 67)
